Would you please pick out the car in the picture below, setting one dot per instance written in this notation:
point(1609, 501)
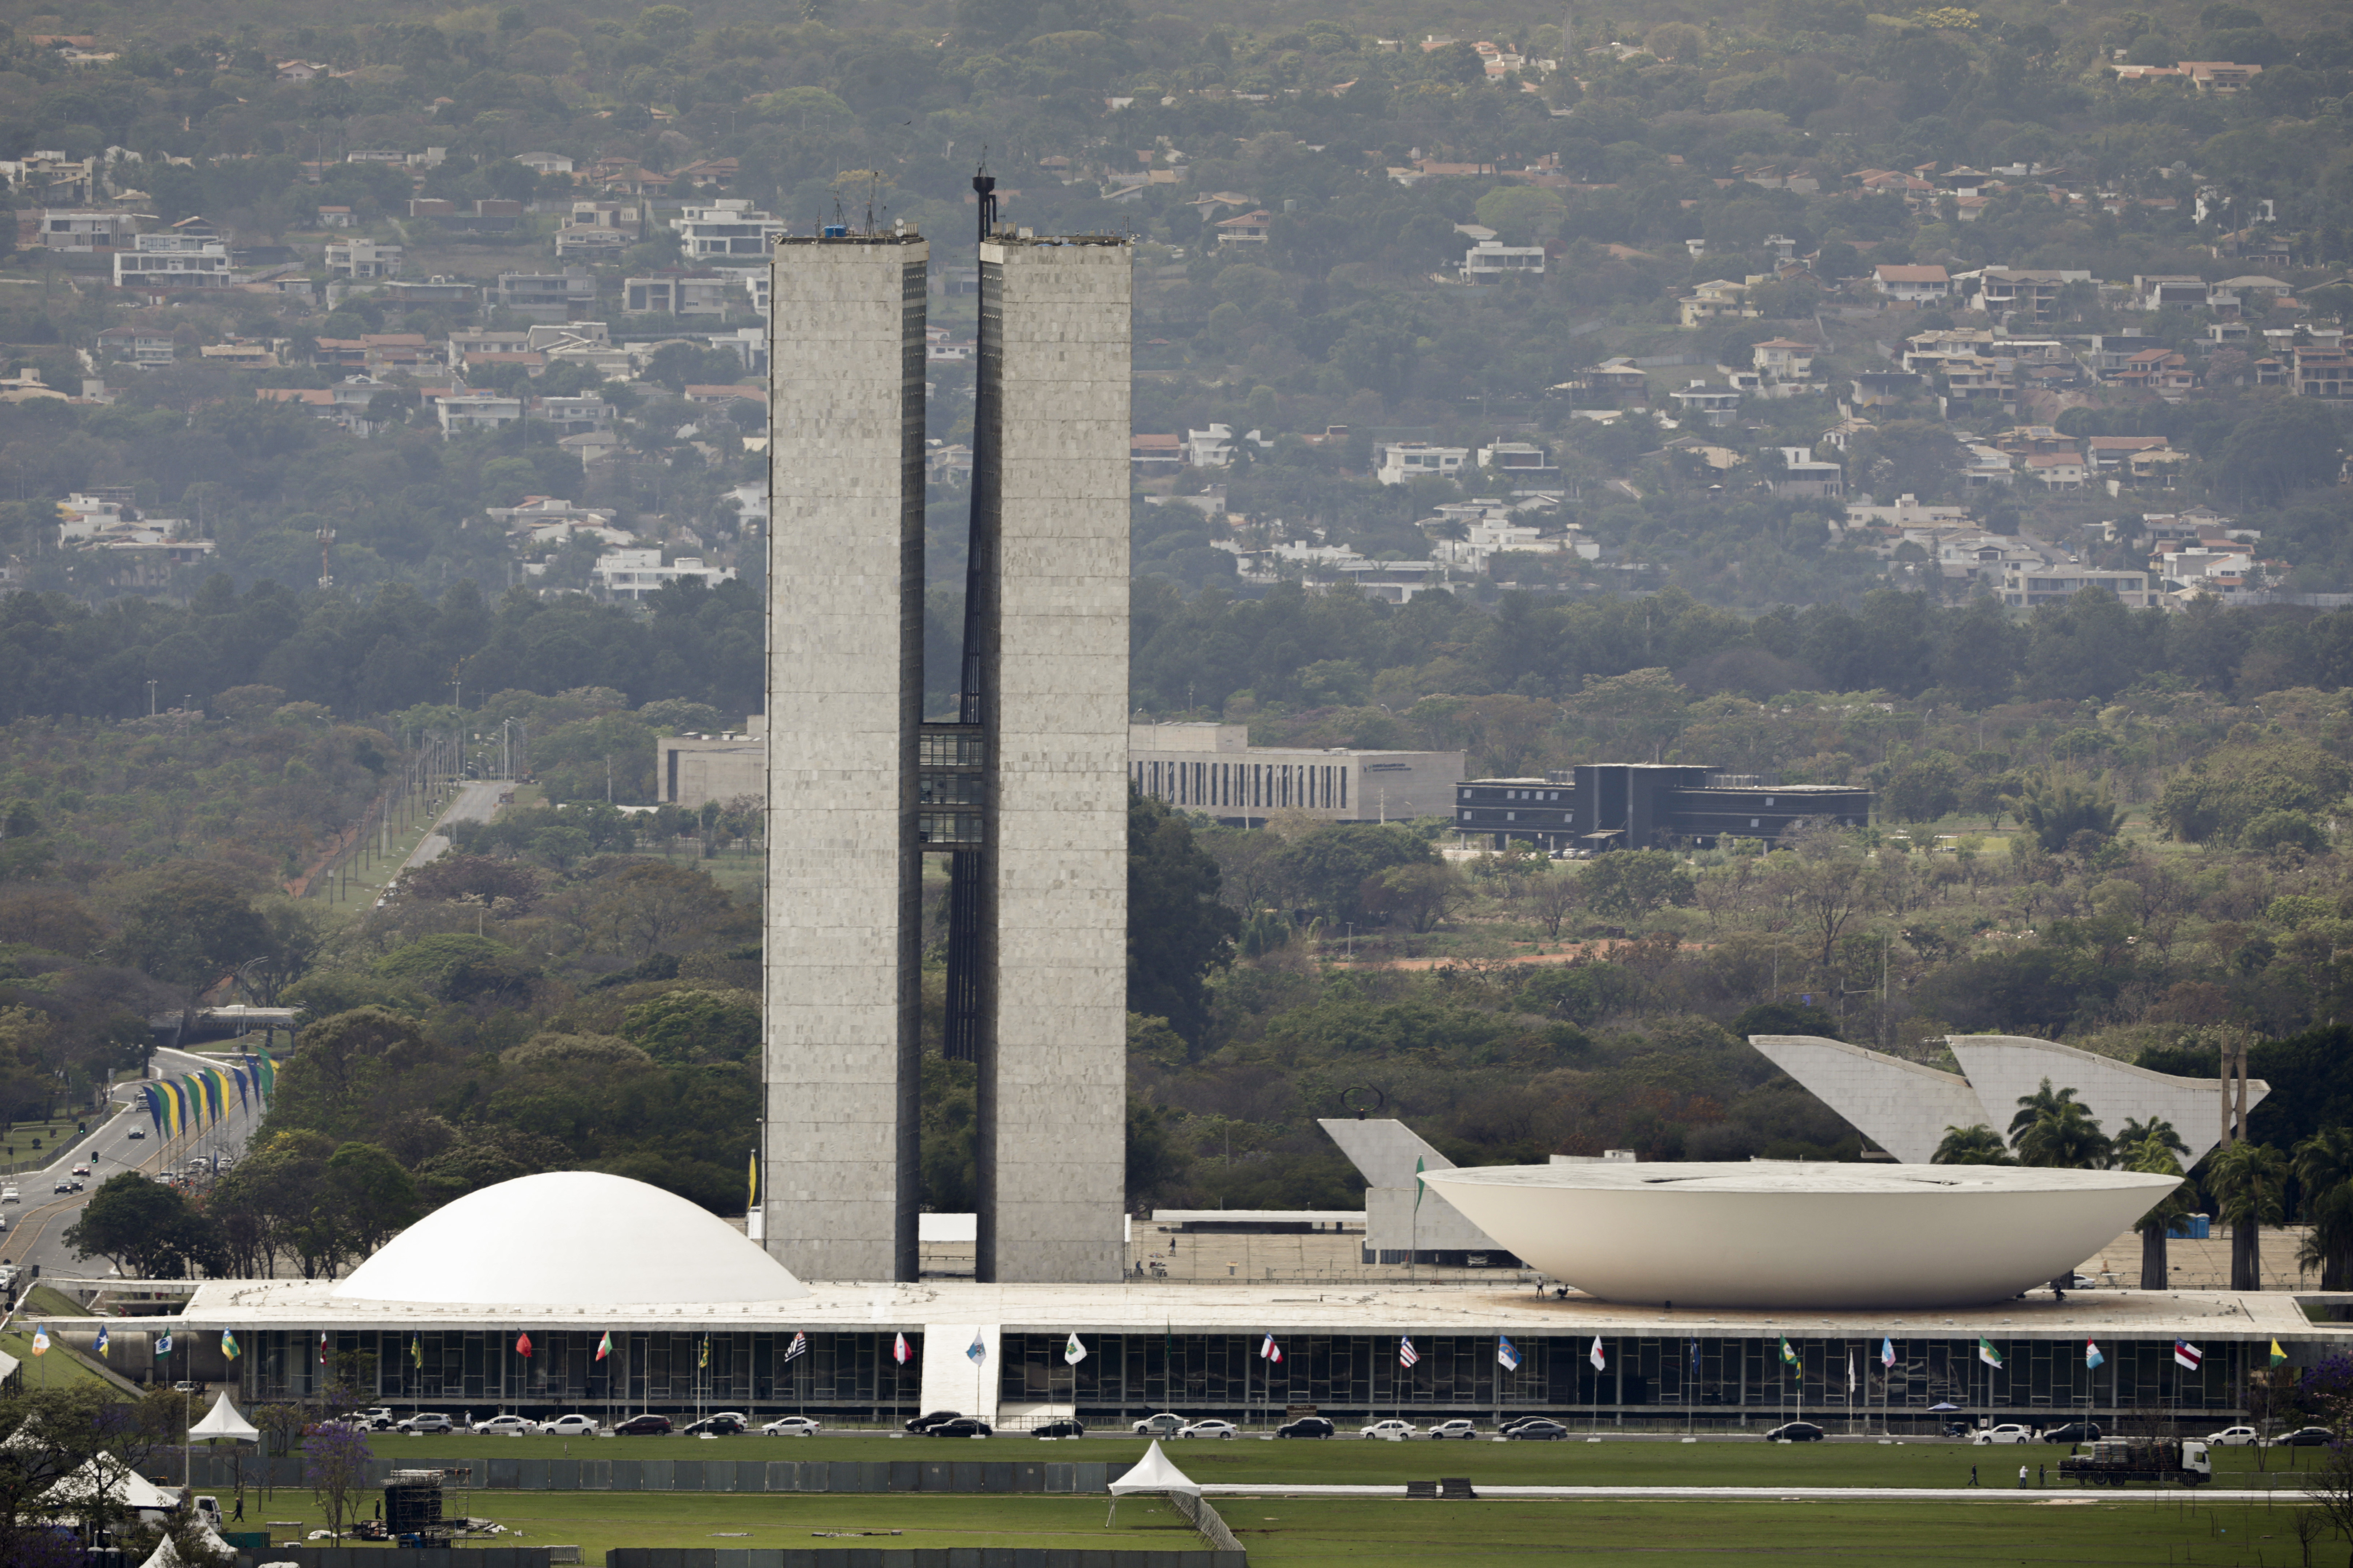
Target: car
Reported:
point(2008, 1432)
point(793, 1427)
point(737, 1416)
point(2073, 1432)
point(2232, 1438)
point(75, 1185)
point(962, 1426)
point(1063, 1426)
point(1167, 1424)
point(1461, 1426)
point(138, 1132)
point(642, 1426)
point(1537, 1431)
point(186, 1387)
point(1795, 1432)
point(429, 1421)
point(569, 1427)
point(1210, 1429)
point(8, 1195)
point(1306, 1426)
point(507, 1426)
point(378, 1413)
point(81, 1170)
point(2305, 1437)
point(1392, 1428)
point(715, 1427)
point(64, 1185)
point(1524, 1420)
point(930, 1418)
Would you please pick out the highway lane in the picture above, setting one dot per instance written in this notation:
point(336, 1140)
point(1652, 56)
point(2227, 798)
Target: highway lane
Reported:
point(37, 1225)
point(472, 802)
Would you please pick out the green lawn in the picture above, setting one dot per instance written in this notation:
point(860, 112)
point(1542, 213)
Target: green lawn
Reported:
point(1395, 1533)
point(1753, 1463)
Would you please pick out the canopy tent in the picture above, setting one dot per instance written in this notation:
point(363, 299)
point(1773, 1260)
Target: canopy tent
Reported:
point(222, 1424)
point(217, 1551)
point(1156, 1472)
point(111, 1478)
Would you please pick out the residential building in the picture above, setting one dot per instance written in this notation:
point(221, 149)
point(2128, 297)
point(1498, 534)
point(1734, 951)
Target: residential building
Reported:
point(360, 260)
point(1783, 360)
point(1803, 474)
point(1245, 228)
point(239, 356)
point(471, 411)
point(1717, 296)
point(170, 261)
point(640, 575)
point(1906, 285)
point(544, 163)
point(590, 244)
point(676, 294)
point(78, 232)
point(2318, 371)
point(2031, 292)
point(1213, 770)
point(1703, 404)
point(2025, 585)
point(2113, 454)
point(139, 345)
point(2221, 77)
point(2169, 291)
point(1517, 457)
point(1396, 462)
point(694, 771)
point(566, 296)
point(2056, 470)
point(731, 227)
point(1150, 457)
point(1214, 448)
point(337, 218)
point(1493, 261)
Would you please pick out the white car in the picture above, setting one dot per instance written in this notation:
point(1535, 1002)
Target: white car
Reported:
point(1167, 1423)
point(1392, 1429)
point(1458, 1427)
point(2010, 1432)
point(1209, 1429)
point(737, 1416)
point(570, 1426)
point(792, 1427)
point(8, 1195)
point(429, 1421)
point(507, 1426)
point(2232, 1438)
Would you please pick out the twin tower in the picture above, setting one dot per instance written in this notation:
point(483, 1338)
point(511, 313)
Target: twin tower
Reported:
point(1026, 790)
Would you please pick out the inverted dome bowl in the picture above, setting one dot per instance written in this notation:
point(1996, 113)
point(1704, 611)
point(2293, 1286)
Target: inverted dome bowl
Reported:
point(1775, 1234)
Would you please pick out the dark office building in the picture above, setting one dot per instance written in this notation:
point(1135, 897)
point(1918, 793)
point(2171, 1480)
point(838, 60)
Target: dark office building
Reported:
point(1637, 806)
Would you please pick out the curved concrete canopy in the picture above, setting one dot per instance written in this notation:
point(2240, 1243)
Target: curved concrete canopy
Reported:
point(1771, 1234)
point(2003, 1069)
point(570, 1238)
point(1901, 1106)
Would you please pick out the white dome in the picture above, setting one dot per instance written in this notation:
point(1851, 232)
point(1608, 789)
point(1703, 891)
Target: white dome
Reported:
point(570, 1238)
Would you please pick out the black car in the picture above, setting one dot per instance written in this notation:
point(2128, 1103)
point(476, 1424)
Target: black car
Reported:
point(2081, 1432)
point(1524, 1420)
point(932, 1418)
point(1305, 1426)
point(2306, 1437)
point(643, 1427)
point(1537, 1431)
point(717, 1425)
point(962, 1426)
point(1795, 1432)
point(1065, 1428)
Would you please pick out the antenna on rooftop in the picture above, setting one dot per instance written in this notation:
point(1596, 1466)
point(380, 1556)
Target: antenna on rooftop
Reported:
point(984, 190)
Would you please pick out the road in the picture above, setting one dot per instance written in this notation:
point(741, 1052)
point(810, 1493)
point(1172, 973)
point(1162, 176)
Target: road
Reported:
point(473, 803)
point(37, 1225)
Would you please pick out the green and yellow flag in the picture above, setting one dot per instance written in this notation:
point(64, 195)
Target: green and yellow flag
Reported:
point(417, 1353)
point(229, 1344)
point(704, 1360)
point(1788, 1356)
point(2278, 1355)
point(752, 1203)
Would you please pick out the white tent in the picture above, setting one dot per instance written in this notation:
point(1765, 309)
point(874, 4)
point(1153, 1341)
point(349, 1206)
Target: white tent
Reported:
point(1156, 1472)
point(222, 1423)
point(111, 1478)
point(164, 1556)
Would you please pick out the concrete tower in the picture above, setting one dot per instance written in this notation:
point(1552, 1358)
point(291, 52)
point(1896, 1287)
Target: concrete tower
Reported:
point(1051, 543)
point(838, 1188)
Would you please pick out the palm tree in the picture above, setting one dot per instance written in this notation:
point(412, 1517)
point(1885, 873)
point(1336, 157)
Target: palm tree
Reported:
point(2152, 1155)
point(2247, 1180)
point(1978, 1146)
point(2324, 1168)
point(2157, 1127)
point(2057, 1130)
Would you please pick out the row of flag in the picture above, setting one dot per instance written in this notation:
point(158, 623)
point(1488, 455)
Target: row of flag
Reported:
point(187, 1103)
point(163, 1342)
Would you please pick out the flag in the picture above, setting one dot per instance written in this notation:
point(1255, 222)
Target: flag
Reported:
point(1507, 1355)
point(1417, 1183)
point(1987, 1354)
point(1074, 1352)
point(1788, 1356)
point(417, 1353)
point(1850, 1372)
point(1695, 1350)
point(2188, 1355)
point(1406, 1354)
point(604, 1345)
point(899, 1351)
point(102, 1339)
point(41, 1340)
point(1268, 1350)
point(799, 1347)
point(704, 1359)
point(322, 1347)
point(523, 1345)
point(1887, 1354)
point(1594, 1355)
point(977, 1352)
point(163, 1344)
point(228, 1345)
point(2278, 1355)
point(753, 1203)
point(2092, 1356)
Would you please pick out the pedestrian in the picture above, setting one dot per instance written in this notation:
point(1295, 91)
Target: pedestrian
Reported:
point(2021, 1478)
point(240, 1504)
point(2042, 1475)
point(1973, 1475)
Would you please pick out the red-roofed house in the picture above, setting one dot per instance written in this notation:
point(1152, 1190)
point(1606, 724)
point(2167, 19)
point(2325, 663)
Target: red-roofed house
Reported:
point(1913, 285)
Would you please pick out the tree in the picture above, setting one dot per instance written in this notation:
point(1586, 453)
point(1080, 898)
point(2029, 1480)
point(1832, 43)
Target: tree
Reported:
point(192, 927)
point(2150, 1155)
point(334, 1467)
point(145, 1229)
point(2056, 813)
point(1550, 896)
point(1825, 882)
point(2248, 1180)
point(1979, 1145)
point(1424, 894)
point(1632, 883)
point(2323, 1169)
point(1179, 932)
point(53, 1433)
point(1325, 868)
point(645, 907)
point(1924, 790)
point(2057, 1131)
point(376, 1196)
point(696, 1026)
